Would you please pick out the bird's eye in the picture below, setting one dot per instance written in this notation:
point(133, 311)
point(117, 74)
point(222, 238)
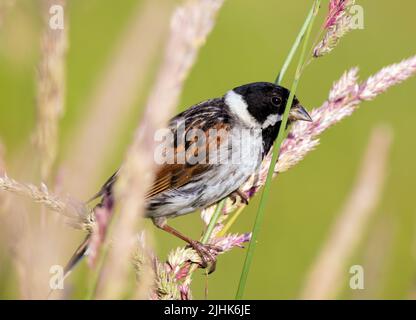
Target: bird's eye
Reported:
point(277, 101)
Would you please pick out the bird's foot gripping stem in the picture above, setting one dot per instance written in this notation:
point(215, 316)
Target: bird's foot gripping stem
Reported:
point(208, 254)
point(238, 193)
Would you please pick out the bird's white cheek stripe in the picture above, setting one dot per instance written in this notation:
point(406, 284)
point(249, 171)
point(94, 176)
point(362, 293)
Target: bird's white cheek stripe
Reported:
point(271, 120)
point(239, 106)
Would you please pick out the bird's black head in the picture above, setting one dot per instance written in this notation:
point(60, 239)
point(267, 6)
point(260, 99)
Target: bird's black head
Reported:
point(262, 104)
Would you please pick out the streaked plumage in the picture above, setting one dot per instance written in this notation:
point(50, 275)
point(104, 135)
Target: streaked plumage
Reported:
point(249, 118)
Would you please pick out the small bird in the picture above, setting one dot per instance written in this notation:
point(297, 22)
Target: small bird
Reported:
point(215, 166)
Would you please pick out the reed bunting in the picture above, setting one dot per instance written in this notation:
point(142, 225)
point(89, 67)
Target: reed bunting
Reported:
point(214, 147)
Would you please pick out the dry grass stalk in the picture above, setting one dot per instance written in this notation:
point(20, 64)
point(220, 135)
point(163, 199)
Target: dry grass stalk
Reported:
point(50, 90)
point(113, 98)
point(78, 214)
point(325, 278)
point(37, 194)
point(338, 23)
point(375, 256)
point(143, 262)
point(190, 25)
point(344, 98)
point(174, 277)
point(35, 247)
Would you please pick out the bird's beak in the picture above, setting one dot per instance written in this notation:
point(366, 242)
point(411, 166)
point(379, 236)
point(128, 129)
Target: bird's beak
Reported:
point(298, 112)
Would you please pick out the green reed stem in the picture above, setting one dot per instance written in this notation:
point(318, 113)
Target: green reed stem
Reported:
point(305, 33)
point(213, 222)
point(278, 81)
point(294, 48)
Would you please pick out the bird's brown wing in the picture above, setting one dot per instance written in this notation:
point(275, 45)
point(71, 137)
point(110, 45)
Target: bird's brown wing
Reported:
point(173, 176)
point(210, 114)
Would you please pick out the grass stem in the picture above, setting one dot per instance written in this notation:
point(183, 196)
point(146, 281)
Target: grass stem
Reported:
point(231, 222)
point(294, 48)
point(265, 194)
point(278, 81)
point(213, 221)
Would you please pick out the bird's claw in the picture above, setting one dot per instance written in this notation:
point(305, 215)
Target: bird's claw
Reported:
point(243, 198)
point(208, 254)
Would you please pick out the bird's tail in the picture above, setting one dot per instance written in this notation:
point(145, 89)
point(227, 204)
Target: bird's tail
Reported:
point(107, 202)
point(80, 253)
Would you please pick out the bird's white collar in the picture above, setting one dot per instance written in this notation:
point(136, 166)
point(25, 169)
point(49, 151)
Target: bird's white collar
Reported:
point(239, 107)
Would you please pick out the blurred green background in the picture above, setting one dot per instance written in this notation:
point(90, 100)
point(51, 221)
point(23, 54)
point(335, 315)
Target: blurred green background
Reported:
point(249, 43)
